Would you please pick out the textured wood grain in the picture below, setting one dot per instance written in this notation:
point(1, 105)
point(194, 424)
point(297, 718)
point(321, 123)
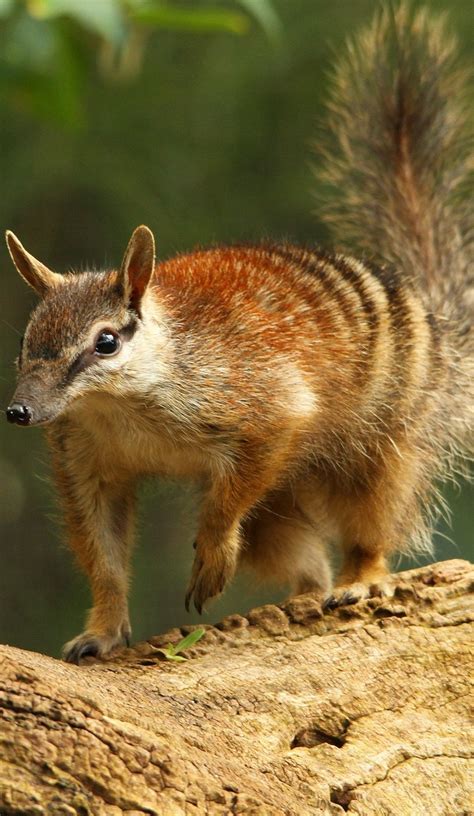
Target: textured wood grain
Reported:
point(285, 712)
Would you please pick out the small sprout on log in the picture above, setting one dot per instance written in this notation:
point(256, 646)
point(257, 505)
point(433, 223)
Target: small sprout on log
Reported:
point(171, 651)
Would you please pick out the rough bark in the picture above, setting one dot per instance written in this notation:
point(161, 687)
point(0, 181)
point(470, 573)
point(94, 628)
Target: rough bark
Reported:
point(287, 711)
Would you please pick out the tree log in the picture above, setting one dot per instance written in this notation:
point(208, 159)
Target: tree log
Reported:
point(285, 712)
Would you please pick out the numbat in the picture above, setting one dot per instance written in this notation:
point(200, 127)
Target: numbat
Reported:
point(316, 397)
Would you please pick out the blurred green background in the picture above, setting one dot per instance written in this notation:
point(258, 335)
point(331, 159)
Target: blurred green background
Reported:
point(196, 118)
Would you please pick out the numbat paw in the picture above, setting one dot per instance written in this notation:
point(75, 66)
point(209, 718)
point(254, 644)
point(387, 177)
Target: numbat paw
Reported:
point(208, 578)
point(348, 594)
point(89, 644)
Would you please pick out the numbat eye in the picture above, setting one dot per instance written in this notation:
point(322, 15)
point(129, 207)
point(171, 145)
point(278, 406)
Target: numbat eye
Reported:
point(107, 343)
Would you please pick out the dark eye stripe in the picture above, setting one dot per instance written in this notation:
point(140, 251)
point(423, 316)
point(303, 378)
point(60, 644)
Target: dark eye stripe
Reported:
point(82, 361)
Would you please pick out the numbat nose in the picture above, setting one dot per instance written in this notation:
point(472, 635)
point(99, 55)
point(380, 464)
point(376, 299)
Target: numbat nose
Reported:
point(20, 414)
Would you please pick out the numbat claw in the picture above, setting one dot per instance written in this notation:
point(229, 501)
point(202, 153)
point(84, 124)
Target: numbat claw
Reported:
point(348, 595)
point(90, 644)
point(208, 579)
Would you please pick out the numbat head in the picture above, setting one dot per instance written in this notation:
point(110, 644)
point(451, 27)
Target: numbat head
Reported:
point(81, 336)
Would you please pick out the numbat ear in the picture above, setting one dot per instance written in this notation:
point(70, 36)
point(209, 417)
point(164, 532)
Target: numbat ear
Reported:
point(137, 266)
point(32, 271)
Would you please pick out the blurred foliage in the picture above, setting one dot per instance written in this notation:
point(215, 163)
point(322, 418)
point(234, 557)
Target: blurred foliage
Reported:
point(47, 47)
point(196, 118)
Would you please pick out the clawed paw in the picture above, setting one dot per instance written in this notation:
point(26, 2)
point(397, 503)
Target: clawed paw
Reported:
point(89, 644)
point(208, 578)
point(348, 594)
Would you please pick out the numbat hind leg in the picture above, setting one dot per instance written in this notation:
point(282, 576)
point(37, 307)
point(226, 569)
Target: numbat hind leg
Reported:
point(364, 574)
point(282, 546)
point(375, 521)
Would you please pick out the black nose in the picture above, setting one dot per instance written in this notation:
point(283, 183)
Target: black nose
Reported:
point(20, 414)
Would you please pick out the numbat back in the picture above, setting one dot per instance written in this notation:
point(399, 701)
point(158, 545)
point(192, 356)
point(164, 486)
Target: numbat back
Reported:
point(316, 397)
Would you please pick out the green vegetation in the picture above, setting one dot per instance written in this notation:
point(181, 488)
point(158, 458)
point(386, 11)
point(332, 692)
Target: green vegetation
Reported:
point(49, 47)
point(172, 652)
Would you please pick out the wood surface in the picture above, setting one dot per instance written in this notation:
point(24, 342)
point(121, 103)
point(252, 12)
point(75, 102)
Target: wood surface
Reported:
point(285, 712)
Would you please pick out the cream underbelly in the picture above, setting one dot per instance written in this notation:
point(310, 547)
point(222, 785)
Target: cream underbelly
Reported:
point(138, 446)
point(146, 455)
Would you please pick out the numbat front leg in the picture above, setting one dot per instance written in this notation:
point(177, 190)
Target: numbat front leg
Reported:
point(217, 550)
point(219, 537)
point(99, 514)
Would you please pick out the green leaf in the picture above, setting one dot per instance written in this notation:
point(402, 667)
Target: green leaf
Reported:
point(189, 640)
point(170, 651)
point(266, 15)
point(167, 652)
point(40, 72)
point(102, 16)
point(190, 19)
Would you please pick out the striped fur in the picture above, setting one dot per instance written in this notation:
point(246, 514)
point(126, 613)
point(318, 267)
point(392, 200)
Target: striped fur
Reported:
point(311, 394)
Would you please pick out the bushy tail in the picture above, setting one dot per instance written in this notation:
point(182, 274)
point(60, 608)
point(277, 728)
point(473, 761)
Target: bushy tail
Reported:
point(396, 171)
